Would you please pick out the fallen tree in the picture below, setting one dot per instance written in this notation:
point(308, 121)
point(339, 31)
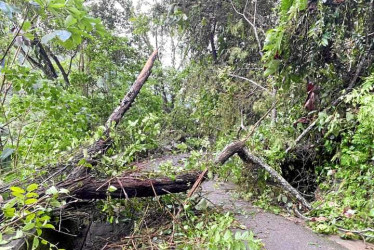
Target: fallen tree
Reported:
point(238, 147)
point(129, 186)
point(85, 186)
point(99, 148)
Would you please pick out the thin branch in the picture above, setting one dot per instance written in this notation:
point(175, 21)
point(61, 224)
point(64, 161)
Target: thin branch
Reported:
point(71, 61)
point(252, 24)
point(301, 136)
point(366, 58)
point(16, 35)
point(259, 122)
point(251, 81)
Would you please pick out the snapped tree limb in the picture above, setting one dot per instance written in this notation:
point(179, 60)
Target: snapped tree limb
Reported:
point(98, 148)
point(239, 148)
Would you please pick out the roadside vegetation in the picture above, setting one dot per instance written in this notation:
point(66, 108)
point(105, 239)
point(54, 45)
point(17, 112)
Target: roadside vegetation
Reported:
point(292, 80)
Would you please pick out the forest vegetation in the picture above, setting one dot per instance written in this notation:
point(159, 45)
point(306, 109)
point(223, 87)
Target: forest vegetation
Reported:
point(274, 96)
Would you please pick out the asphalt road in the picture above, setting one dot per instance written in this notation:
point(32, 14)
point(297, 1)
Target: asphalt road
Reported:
point(276, 232)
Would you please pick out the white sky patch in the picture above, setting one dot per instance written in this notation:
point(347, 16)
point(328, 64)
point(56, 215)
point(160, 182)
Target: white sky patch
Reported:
point(165, 49)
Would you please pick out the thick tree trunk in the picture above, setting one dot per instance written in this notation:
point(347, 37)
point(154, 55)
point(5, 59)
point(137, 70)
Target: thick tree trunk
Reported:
point(129, 186)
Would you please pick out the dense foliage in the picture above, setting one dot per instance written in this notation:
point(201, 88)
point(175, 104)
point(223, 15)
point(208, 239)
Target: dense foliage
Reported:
point(222, 65)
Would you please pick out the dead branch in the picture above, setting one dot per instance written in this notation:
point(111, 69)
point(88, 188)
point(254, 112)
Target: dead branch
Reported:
point(251, 23)
point(239, 148)
point(251, 81)
point(126, 102)
point(301, 136)
point(98, 148)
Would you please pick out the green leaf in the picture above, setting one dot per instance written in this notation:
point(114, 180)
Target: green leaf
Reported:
point(6, 153)
point(57, 5)
point(28, 226)
point(7, 9)
point(45, 39)
point(284, 199)
point(26, 26)
point(45, 218)
point(48, 226)
point(63, 35)
point(30, 217)
point(10, 204)
point(32, 187)
point(77, 39)
point(272, 67)
point(9, 212)
point(19, 234)
point(112, 188)
point(55, 203)
point(32, 195)
point(75, 11)
point(70, 20)
point(227, 235)
point(371, 214)
point(17, 190)
point(29, 36)
point(324, 41)
point(285, 5)
point(303, 4)
point(35, 243)
point(30, 201)
point(52, 190)
point(18, 195)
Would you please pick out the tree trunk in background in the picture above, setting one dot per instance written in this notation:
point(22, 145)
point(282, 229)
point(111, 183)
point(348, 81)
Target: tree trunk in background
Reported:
point(213, 47)
point(274, 111)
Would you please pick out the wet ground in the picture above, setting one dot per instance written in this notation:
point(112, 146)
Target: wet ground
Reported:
point(276, 232)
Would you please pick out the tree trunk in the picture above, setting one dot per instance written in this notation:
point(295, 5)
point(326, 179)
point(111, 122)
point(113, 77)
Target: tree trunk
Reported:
point(102, 145)
point(129, 186)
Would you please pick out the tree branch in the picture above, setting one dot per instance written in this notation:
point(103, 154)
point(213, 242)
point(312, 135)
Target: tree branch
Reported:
point(251, 81)
point(102, 145)
point(238, 147)
point(252, 24)
point(64, 75)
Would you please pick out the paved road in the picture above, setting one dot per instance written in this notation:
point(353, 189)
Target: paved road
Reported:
point(276, 232)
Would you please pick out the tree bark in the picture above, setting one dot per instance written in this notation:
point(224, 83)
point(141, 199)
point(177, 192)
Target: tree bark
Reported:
point(129, 186)
point(126, 102)
point(62, 70)
point(211, 40)
point(98, 148)
point(239, 148)
point(47, 68)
